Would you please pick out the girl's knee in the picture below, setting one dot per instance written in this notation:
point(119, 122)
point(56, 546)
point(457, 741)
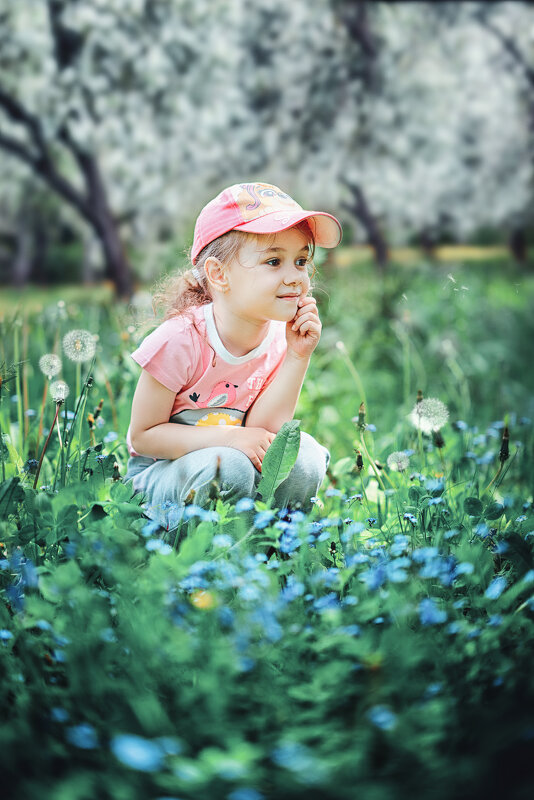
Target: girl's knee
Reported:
point(313, 458)
point(236, 474)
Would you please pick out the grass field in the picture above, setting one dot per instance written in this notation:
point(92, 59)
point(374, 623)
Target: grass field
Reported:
point(379, 646)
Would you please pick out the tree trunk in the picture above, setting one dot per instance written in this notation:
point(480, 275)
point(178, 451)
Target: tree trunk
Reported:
point(517, 242)
point(360, 209)
point(118, 268)
point(22, 263)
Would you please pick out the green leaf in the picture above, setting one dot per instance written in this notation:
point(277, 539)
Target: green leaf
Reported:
point(473, 506)
point(279, 458)
point(11, 494)
point(493, 511)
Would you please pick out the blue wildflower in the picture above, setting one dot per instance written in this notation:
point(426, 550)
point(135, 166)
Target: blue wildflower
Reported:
point(374, 577)
point(453, 628)
point(158, 545)
point(192, 511)
point(382, 717)
point(496, 588)
point(82, 736)
point(58, 714)
point(226, 617)
point(293, 756)
point(292, 590)
point(464, 568)
point(333, 492)
point(371, 521)
point(422, 554)
point(357, 558)
point(288, 542)
point(137, 752)
point(263, 518)
point(5, 635)
point(222, 540)
point(328, 601)
point(245, 793)
point(482, 530)
point(349, 630)
point(429, 613)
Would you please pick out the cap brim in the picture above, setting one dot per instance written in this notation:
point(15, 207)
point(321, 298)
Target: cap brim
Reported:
point(326, 229)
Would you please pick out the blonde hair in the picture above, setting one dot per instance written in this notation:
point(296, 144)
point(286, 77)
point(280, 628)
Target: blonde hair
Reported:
point(175, 294)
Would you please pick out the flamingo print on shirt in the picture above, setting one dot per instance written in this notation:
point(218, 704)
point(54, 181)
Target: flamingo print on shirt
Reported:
point(222, 394)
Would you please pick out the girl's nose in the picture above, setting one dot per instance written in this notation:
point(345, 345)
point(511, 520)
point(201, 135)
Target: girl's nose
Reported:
point(294, 276)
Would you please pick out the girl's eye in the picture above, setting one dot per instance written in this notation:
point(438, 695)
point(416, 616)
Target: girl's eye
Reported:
point(300, 262)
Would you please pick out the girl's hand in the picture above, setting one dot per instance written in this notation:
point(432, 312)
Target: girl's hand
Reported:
point(253, 442)
point(304, 330)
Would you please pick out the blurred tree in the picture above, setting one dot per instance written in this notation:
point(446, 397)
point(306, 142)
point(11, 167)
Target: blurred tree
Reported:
point(392, 111)
point(90, 89)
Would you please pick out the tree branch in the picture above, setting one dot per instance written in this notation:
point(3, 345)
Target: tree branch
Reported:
point(510, 46)
point(41, 160)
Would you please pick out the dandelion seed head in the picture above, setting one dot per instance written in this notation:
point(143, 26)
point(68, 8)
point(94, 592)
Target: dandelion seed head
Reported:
point(398, 461)
point(59, 391)
point(50, 365)
point(430, 414)
point(79, 345)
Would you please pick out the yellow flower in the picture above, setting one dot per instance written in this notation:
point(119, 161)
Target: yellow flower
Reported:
point(203, 600)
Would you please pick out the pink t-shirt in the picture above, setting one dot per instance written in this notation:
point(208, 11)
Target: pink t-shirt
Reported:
point(213, 387)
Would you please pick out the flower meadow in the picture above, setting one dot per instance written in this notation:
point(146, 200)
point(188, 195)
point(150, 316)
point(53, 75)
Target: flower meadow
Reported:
point(379, 646)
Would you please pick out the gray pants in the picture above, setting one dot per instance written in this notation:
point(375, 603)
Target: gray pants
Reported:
point(167, 485)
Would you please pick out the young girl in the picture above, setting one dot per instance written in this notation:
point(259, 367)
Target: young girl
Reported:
point(224, 370)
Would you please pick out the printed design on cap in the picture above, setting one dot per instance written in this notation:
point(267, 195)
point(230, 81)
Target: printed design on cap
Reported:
point(256, 199)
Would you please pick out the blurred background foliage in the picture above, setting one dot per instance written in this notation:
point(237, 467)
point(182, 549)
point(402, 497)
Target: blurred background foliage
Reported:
point(119, 119)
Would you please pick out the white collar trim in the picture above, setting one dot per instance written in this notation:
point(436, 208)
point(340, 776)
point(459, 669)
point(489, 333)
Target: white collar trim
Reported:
point(221, 350)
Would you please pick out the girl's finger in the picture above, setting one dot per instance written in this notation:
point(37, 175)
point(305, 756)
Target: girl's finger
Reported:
point(309, 327)
point(305, 318)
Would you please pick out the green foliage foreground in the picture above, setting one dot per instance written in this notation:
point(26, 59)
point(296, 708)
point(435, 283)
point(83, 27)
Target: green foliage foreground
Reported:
point(378, 647)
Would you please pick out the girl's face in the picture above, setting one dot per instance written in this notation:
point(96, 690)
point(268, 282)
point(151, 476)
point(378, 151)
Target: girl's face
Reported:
point(269, 276)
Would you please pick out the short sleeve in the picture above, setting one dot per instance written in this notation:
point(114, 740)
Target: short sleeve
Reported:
point(170, 353)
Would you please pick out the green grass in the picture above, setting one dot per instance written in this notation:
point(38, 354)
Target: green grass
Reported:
point(379, 646)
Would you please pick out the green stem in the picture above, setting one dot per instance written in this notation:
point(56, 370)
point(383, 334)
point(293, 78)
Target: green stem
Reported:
point(372, 463)
point(20, 418)
point(45, 446)
point(354, 372)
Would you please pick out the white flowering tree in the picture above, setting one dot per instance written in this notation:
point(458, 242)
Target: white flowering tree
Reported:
point(98, 100)
point(403, 117)
point(401, 114)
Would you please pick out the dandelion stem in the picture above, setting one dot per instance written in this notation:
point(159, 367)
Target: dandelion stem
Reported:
point(40, 431)
point(2, 453)
point(353, 371)
point(18, 386)
point(25, 381)
point(372, 463)
point(58, 405)
point(58, 432)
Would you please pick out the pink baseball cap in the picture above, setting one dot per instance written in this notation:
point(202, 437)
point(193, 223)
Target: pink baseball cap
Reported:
point(259, 208)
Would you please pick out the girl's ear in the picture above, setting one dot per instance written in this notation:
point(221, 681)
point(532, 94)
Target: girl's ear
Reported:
point(215, 274)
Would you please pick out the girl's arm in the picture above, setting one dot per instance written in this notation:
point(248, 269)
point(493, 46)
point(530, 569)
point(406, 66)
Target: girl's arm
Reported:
point(277, 403)
point(153, 435)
